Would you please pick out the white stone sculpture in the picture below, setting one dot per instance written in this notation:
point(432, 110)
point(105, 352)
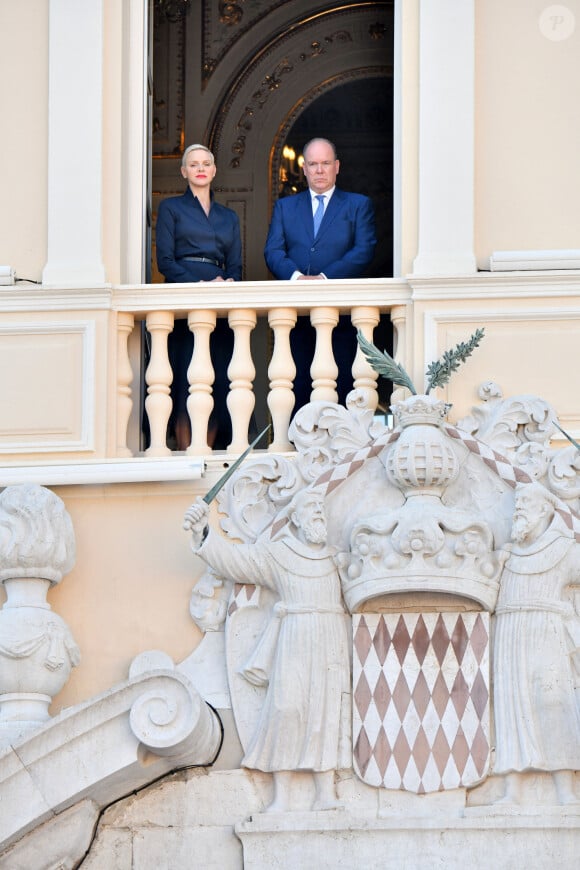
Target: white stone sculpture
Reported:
point(537, 642)
point(419, 518)
point(209, 601)
point(37, 650)
point(421, 544)
point(302, 656)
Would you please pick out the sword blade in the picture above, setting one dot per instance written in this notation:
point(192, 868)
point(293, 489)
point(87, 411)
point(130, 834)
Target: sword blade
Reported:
point(569, 437)
point(211, 494)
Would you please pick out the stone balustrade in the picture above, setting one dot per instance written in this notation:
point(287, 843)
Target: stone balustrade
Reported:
point(89, 367)
point(277, 306)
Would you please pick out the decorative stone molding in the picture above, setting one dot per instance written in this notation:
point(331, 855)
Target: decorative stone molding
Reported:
point(37, 649)
point(312, 41)
point(171, 717)
point(145, 727)
point(512, 261)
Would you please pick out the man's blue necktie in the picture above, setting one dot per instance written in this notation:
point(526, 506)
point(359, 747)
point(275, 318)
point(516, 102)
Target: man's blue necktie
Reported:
point(319, 213)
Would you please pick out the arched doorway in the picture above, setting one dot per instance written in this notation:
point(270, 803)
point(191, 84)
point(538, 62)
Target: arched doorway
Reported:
point(245, 80)
point(240, 81)
point(330, 70)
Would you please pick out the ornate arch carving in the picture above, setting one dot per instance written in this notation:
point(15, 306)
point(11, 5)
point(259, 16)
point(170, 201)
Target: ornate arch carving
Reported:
point(330, 47)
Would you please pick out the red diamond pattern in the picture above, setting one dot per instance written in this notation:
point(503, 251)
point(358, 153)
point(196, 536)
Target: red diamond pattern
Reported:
point(382, 695)
point(362, 695)
point(401, 695)
point(460, 694)
point(421, 717)
point(401, 639)
point(440, 639)
point(401, 752)
point(420, 640)
point(459, 639)
point(363, 750)
point(382, 642)
point(479, 639)
point(383, 751)
point(421, 695)
point(362, 640)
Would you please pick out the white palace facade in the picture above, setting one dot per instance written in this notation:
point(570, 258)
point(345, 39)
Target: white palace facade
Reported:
point(460, 119)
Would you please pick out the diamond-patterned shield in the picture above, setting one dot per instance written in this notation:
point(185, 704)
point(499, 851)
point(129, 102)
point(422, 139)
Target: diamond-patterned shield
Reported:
point(421, 700)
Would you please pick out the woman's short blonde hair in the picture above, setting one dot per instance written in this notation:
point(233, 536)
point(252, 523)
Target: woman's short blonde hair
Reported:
point(196, 148)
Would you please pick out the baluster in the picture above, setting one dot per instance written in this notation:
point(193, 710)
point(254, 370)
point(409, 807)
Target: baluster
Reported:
point(158, 378)
point(400, 349)
point(365, 378)
point(324, 370)
point(201, 376)
point(281, 373)
point(241, 372)
point(125, 324)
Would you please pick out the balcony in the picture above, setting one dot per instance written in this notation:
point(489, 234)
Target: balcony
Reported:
point(84, 382)
point(79, 383)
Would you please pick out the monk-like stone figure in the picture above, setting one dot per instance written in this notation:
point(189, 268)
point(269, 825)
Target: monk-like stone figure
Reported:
point(537, 720)
point(302, 657)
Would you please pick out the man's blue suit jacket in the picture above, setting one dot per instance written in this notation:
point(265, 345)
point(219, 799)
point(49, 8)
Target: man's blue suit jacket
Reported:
point(343, 248)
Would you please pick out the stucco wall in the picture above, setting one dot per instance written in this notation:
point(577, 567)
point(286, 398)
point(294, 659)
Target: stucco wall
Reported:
point(24, 114)
point(129, 590)
point(527, 133)
point(527, 129)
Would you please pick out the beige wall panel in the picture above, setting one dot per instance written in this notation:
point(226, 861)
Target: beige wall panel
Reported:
point(24, 113)
point(48, 396)
point(527, 128)
point(536, 354)
point(53, 385)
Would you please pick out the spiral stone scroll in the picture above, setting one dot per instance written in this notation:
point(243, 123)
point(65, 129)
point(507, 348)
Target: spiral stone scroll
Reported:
point(170, 718)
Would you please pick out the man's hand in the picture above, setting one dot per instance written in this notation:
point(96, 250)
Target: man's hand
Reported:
point(320, 277)
point(195, 521)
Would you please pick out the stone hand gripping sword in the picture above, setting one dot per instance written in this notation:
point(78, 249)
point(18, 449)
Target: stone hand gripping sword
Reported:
point(211, 494)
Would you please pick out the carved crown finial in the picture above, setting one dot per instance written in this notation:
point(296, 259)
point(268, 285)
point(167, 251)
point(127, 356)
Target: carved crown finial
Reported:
point(426, 410)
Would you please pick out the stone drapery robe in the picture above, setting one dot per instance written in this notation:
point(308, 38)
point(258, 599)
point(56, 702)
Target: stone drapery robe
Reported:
point(303, 723)
point(537, 720)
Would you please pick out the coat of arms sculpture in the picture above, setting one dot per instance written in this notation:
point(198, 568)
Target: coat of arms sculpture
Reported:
point(402, 539)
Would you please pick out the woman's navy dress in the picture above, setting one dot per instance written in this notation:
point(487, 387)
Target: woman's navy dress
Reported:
point(184, 230)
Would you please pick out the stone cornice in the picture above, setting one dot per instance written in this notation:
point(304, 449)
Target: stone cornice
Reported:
point(264, 295)
point(496, 285)
point(135, 470)
point(71, 298)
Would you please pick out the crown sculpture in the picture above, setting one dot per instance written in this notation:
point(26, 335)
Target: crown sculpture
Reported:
point(421, 545)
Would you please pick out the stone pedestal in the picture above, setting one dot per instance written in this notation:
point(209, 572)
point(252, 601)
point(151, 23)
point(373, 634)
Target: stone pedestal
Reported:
point(37, 649)
point(539, 837)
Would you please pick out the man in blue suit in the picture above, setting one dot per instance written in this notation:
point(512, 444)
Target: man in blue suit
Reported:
point(321, 233)
point(344, 244)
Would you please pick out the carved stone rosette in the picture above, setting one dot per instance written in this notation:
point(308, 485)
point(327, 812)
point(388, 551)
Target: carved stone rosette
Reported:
point(37, 650)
